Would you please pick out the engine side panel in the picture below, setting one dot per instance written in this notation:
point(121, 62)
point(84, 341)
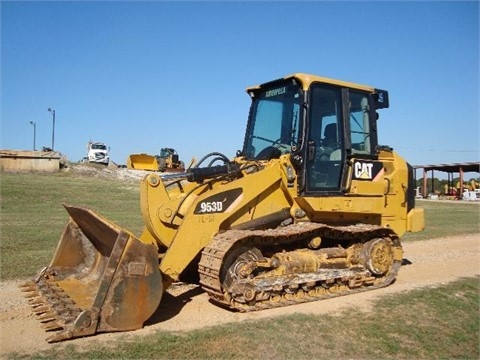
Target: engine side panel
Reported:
point(376, 192)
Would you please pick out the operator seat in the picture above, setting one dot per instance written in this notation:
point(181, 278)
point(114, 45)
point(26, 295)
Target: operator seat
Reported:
point(329, 142)
point(330, 136)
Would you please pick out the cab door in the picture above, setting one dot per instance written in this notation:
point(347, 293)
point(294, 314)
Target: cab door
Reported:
point(325, 141)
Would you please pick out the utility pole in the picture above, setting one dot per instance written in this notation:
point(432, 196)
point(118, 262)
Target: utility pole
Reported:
point(53, 128)
point(34, 133)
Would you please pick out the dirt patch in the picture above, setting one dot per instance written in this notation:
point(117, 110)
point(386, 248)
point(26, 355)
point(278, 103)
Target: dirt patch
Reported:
point(186, 307)
point(104, 172)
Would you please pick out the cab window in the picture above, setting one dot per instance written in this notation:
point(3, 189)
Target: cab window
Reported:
point(360, 131)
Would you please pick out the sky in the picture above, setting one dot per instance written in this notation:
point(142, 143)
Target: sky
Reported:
point(140, 76)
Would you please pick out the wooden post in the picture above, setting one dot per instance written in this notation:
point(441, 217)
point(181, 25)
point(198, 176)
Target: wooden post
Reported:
point(424, 189)
point(460, 195)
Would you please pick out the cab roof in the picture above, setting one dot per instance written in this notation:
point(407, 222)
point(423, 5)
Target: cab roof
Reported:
point(307, 79)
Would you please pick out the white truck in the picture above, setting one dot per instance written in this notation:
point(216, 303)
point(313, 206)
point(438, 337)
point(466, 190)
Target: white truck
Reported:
point(98, 152)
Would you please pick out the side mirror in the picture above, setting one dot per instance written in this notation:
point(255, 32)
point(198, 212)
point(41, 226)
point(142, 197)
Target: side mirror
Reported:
point(380, 99)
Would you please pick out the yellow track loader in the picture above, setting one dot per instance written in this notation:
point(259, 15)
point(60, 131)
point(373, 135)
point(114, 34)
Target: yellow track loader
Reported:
point(312, 207)
point(168, 160)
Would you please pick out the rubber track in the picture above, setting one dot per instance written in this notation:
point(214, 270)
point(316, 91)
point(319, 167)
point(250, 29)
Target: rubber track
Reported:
point(212, 259)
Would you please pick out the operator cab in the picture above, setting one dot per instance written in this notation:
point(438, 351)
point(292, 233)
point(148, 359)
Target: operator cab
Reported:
point(321, 122)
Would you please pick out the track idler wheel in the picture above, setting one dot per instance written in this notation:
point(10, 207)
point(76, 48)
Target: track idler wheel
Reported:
point(377, 256)
point(238, 265)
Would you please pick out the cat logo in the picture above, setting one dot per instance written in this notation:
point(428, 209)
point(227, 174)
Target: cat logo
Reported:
point(363, 170)
point(367, 170)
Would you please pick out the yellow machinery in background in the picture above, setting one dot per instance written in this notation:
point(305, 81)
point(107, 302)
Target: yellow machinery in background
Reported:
point(312, 207)
point(168, 160)
point(142, 162)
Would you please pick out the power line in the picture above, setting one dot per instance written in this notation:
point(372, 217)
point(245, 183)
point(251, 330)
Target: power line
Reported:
point(437, 150)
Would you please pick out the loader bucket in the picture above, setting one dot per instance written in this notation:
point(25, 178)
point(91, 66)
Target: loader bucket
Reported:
point(143, 162)
point(101, 279)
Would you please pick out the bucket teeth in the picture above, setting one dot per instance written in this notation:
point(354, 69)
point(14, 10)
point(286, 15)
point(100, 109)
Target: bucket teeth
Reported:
point(28, 285)
point(39, 300)
point(38, 305)
point(45, 319)
point(42, 309)
point(53, 325)
point(52, 306)
point(47, 316)
point(60, 336)
point(31, 294)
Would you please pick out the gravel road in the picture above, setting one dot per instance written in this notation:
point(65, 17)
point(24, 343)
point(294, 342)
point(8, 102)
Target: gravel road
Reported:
point(432, 263)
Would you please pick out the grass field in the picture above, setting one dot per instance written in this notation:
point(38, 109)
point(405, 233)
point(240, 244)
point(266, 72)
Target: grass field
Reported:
point(32, 217)
point(427, 323)
point(447, 219)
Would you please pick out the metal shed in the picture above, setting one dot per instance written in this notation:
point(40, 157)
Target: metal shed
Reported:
point(450, 169)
